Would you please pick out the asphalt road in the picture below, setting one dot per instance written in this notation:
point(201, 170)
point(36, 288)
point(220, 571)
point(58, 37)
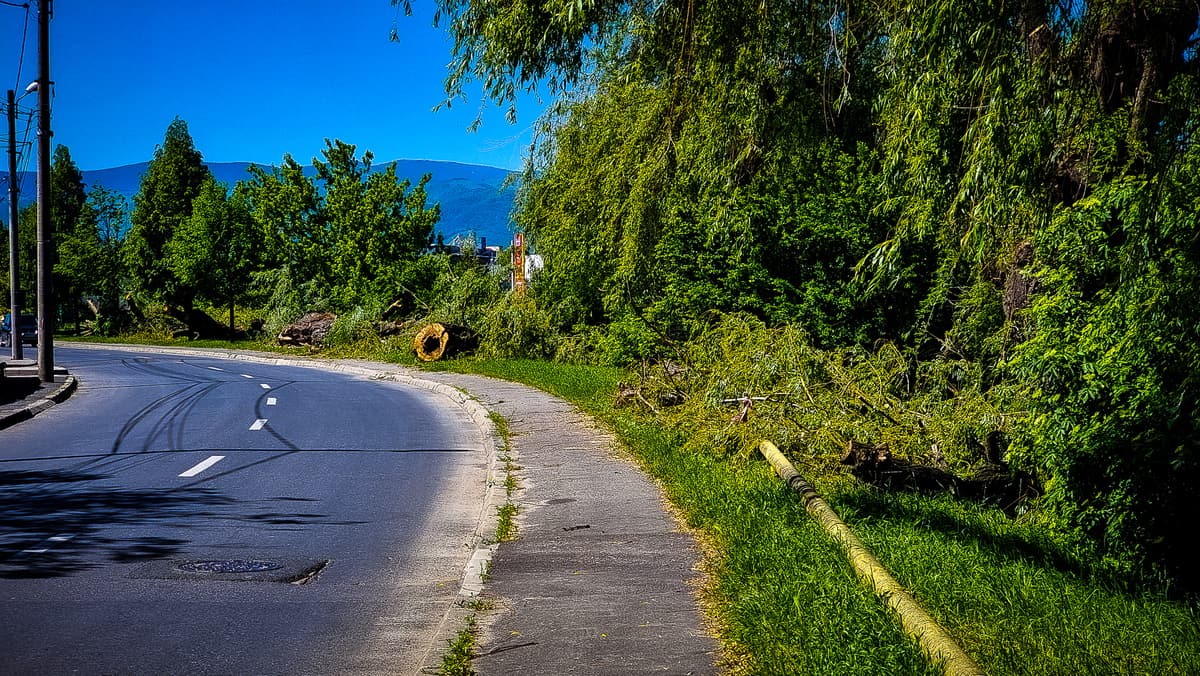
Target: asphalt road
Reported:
point(184, 515)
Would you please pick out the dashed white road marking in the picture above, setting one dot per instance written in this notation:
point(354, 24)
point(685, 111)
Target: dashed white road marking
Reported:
point(246, 376)
point(57, 539)
point(258, 424)
point(214, 368)
point(203, 465)
point(264, 386)
point(271, 401)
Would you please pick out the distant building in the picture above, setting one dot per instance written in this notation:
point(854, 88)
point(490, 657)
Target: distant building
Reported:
point(533, 265)
point(464, 245)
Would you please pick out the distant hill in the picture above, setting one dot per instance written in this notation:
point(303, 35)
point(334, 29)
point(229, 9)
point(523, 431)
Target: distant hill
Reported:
point(473, 197)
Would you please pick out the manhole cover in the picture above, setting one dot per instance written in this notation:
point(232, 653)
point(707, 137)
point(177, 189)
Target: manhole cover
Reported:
point(229, 566)
point(248, 569)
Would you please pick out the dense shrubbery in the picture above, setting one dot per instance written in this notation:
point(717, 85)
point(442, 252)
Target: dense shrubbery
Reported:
point(1003, 193)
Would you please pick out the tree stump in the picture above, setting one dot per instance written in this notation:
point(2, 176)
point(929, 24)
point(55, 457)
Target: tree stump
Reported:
point(443, 340)
point(311, 329)
point(992, 484)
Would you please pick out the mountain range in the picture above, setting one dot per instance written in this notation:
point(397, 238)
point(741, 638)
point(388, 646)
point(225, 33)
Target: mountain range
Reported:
point(475, 199)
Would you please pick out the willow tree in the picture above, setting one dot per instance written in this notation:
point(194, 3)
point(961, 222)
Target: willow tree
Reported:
point(1046, 151)
point(693, 153)
point(1017, 180)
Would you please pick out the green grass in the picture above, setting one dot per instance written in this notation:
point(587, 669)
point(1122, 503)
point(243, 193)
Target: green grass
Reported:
point(785, 601)
point(506, 526)
point(506, 529)
point(456, 661)
point(1017, 603)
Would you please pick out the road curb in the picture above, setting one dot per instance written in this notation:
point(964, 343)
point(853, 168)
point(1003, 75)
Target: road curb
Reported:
point(59, 395)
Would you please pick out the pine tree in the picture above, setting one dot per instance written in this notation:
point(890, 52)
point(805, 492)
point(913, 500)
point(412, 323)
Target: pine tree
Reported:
point(163, 202)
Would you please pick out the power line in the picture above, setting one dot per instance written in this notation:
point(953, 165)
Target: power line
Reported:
point(24, 37)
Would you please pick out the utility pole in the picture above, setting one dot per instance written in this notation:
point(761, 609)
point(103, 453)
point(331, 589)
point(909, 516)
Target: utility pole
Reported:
point(45, 227)
point(14, 306)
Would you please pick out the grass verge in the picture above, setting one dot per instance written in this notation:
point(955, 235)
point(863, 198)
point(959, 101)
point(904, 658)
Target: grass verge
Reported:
point(506, 526)
point(785, 600)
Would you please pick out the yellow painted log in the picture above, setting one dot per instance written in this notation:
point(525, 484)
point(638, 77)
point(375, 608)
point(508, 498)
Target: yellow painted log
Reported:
point(934, 640)
point(435, 341)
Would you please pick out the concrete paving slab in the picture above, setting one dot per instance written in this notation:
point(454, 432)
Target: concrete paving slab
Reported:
point(601, 579)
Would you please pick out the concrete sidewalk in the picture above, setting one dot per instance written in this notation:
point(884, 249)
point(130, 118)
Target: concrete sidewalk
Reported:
point(32, 395)
point(600, 579)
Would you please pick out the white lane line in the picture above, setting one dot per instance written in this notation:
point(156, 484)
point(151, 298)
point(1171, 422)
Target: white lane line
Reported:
point(57, 539)
point(203, 465)
point(258, 424)
point(246, 376)
point(271, 401)
point(264, 386)
point(214, 368)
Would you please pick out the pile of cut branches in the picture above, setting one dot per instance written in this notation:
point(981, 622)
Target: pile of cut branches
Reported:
point(742, 381)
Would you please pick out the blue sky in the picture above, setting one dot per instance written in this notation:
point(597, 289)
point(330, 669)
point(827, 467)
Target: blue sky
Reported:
point(254, 79)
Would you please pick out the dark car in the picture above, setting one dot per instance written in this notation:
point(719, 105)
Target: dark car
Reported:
point(27, 324)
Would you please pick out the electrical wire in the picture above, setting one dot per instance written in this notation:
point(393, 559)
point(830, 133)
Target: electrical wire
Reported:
point(24, 38)
point(23, 157)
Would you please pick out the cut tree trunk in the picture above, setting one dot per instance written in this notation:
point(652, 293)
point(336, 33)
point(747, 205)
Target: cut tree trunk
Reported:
point(992, 484)
point(436, 341)
point(310, 329)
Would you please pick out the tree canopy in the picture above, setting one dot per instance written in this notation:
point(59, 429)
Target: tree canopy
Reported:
point(353, 235)
point(162, 204)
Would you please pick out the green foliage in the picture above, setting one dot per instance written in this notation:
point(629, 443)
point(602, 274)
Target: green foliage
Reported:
point(26, 253)
point(285, 298)
point(354, 325)
point(66, 190)
point(355, 234)
point(90, 256)
point(457, 659)
point(215, 250)
point(816, 401)
point(163, 203)
point(462, 292)
point(67, 197)
point(516, 326)
point(630, 222)
point(624, 341)
point(1111, 372)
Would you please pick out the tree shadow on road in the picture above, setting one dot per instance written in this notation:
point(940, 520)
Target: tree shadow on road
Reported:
point(50, 520)
point(55, 523)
